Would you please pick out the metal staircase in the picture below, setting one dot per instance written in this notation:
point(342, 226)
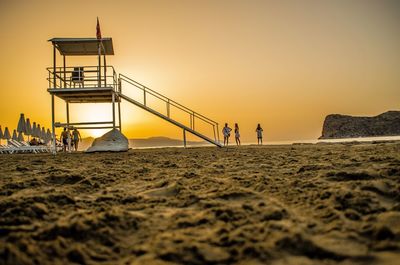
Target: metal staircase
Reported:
point(208, 126)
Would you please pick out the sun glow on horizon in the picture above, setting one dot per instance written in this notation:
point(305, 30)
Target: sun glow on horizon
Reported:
point(95, 133)
point(94, 112)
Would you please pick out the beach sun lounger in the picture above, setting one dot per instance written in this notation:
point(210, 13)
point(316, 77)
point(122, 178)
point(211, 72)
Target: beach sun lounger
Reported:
point(22, 147)
point(7, 149)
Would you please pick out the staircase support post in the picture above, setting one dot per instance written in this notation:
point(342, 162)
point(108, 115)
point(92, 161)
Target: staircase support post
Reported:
point(184, 138)
point(215, 136)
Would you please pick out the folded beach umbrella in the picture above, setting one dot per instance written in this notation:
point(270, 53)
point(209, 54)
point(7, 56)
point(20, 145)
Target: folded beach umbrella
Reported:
point(38, 131)
point(43, 134)
point(20, 137)
point(33, 129)
point(6, 135)
point(21, 128)
point(14, 136)
point(28, 128)
point(49, 136)
point(1, 134)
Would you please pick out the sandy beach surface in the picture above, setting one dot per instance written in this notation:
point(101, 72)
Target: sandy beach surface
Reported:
point(294, 204)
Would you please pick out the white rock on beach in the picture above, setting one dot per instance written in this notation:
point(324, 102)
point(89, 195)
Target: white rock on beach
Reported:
point(113, 141)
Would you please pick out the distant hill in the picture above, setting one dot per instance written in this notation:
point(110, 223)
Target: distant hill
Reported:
point(145, 142)
point(85, 143)
point(344, 126)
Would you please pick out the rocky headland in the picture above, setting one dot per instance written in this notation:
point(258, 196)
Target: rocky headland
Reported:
point(345, 126)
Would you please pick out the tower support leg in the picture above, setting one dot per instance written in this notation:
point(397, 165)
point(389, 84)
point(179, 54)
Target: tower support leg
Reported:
point(113, 109)
point(53, 129)
point(69, 133)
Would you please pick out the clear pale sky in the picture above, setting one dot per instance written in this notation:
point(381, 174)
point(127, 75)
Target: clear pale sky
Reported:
point(284, 64)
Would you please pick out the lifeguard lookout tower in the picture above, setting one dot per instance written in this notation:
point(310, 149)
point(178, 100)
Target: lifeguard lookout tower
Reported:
point(101, 84)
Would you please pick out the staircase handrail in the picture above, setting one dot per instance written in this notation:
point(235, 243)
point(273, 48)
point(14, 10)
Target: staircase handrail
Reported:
point(166, 99)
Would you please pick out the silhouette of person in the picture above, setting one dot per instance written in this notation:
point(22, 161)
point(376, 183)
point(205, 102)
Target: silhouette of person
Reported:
point(64, 138)
point(226, 131)
point(76, 137)
point(259, 131)
point(33, 141)
point(237, 134)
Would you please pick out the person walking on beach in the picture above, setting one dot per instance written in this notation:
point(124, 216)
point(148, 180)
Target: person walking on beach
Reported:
point(226, 131)
point(237, 134)
point(64, 139)
point(76, 137)
point(259, 131)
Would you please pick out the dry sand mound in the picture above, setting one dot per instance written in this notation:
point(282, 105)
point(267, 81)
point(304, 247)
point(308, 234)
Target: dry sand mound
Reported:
point(315, 204)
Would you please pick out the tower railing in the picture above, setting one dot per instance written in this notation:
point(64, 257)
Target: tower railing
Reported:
point(82, 77)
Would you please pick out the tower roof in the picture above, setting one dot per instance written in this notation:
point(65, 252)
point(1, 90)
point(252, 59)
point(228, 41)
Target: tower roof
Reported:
point(82, 46)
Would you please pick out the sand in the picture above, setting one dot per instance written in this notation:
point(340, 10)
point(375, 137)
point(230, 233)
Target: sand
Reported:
point(295, 204)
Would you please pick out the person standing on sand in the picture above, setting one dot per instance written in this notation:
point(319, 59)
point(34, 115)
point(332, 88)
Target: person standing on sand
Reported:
point(226, 131)
point(76, 137)
point(64, 139)
point(237, 134)
point(259, 131)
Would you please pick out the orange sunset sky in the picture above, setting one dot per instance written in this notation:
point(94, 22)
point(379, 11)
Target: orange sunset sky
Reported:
point(284, 64)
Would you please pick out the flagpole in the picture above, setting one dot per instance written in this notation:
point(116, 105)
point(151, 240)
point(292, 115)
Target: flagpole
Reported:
point(105, 65)
point(98, 36)
point(99, 59)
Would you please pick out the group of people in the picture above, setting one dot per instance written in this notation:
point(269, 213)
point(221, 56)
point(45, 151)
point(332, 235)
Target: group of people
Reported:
point(226, 131)
point(75, 137)
point(34, 142)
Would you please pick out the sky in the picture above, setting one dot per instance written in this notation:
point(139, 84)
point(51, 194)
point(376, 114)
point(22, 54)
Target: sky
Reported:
point(284, 64)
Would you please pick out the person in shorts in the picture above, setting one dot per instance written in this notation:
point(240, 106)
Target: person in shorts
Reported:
point(64, 138)
point(76, 137)
point(226, 131)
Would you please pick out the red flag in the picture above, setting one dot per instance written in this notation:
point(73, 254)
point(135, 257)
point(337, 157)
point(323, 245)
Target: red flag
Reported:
point(98, 32)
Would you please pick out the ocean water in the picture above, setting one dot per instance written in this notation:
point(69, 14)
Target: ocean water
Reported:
point(343, 140)
point(290, 142)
